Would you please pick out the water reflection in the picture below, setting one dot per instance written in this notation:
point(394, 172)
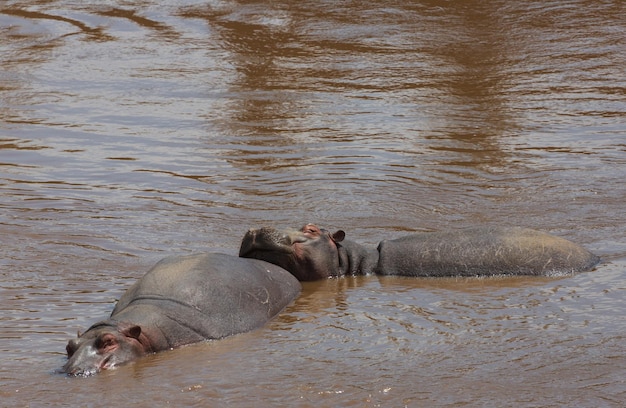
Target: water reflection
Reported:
point(91, 33)
point(162, 28)
point(276, 57)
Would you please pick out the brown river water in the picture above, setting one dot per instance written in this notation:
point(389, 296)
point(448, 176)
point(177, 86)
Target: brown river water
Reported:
point(131, 130)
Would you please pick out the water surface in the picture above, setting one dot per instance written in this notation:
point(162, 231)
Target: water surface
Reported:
point(131, 130)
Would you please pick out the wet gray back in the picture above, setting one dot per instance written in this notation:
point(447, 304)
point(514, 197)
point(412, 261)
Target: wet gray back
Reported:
point(483, 251)
point(206, 296)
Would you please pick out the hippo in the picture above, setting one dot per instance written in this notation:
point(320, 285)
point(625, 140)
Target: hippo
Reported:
point(313, 253)
point(183, 300)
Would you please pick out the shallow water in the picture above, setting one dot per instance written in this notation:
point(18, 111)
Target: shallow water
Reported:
point(130, 131)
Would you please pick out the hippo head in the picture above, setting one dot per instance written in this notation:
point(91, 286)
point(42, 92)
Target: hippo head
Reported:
point(102, 347)
point(310, 253)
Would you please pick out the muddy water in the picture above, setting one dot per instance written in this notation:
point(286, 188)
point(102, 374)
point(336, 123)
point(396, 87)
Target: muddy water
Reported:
point(131, 130)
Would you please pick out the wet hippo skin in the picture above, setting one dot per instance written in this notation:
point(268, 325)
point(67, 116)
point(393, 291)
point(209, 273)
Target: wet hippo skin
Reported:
point(183, 300)
point(313, 253)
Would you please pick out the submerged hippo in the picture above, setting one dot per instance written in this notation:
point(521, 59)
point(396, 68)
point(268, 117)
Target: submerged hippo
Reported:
point(183, 300)
point(313, 253)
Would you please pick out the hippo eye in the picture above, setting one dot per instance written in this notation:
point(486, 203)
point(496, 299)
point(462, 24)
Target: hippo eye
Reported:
point(104, 342)
point(310, 229)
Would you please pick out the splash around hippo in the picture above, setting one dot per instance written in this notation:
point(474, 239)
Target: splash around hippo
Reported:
point(313, 253)
point(183, 300)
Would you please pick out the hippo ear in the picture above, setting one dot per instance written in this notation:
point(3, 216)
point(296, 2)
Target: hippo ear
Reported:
point(133, 331)
point(338, 236)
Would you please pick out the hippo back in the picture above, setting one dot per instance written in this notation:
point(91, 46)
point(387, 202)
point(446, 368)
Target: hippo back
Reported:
point(206, 296)
point(483, 251)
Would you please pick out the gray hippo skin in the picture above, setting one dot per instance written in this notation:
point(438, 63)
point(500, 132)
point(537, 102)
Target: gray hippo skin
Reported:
point(183, 300)
point(313, 253)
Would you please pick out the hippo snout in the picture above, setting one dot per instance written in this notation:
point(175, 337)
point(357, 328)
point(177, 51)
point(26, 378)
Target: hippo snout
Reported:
point(84, 362)
point(269, 239)
point(78, 371)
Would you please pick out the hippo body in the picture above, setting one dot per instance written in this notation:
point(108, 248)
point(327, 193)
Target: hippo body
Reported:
point(183, 300)
point(482, 251)
point(314, 253)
